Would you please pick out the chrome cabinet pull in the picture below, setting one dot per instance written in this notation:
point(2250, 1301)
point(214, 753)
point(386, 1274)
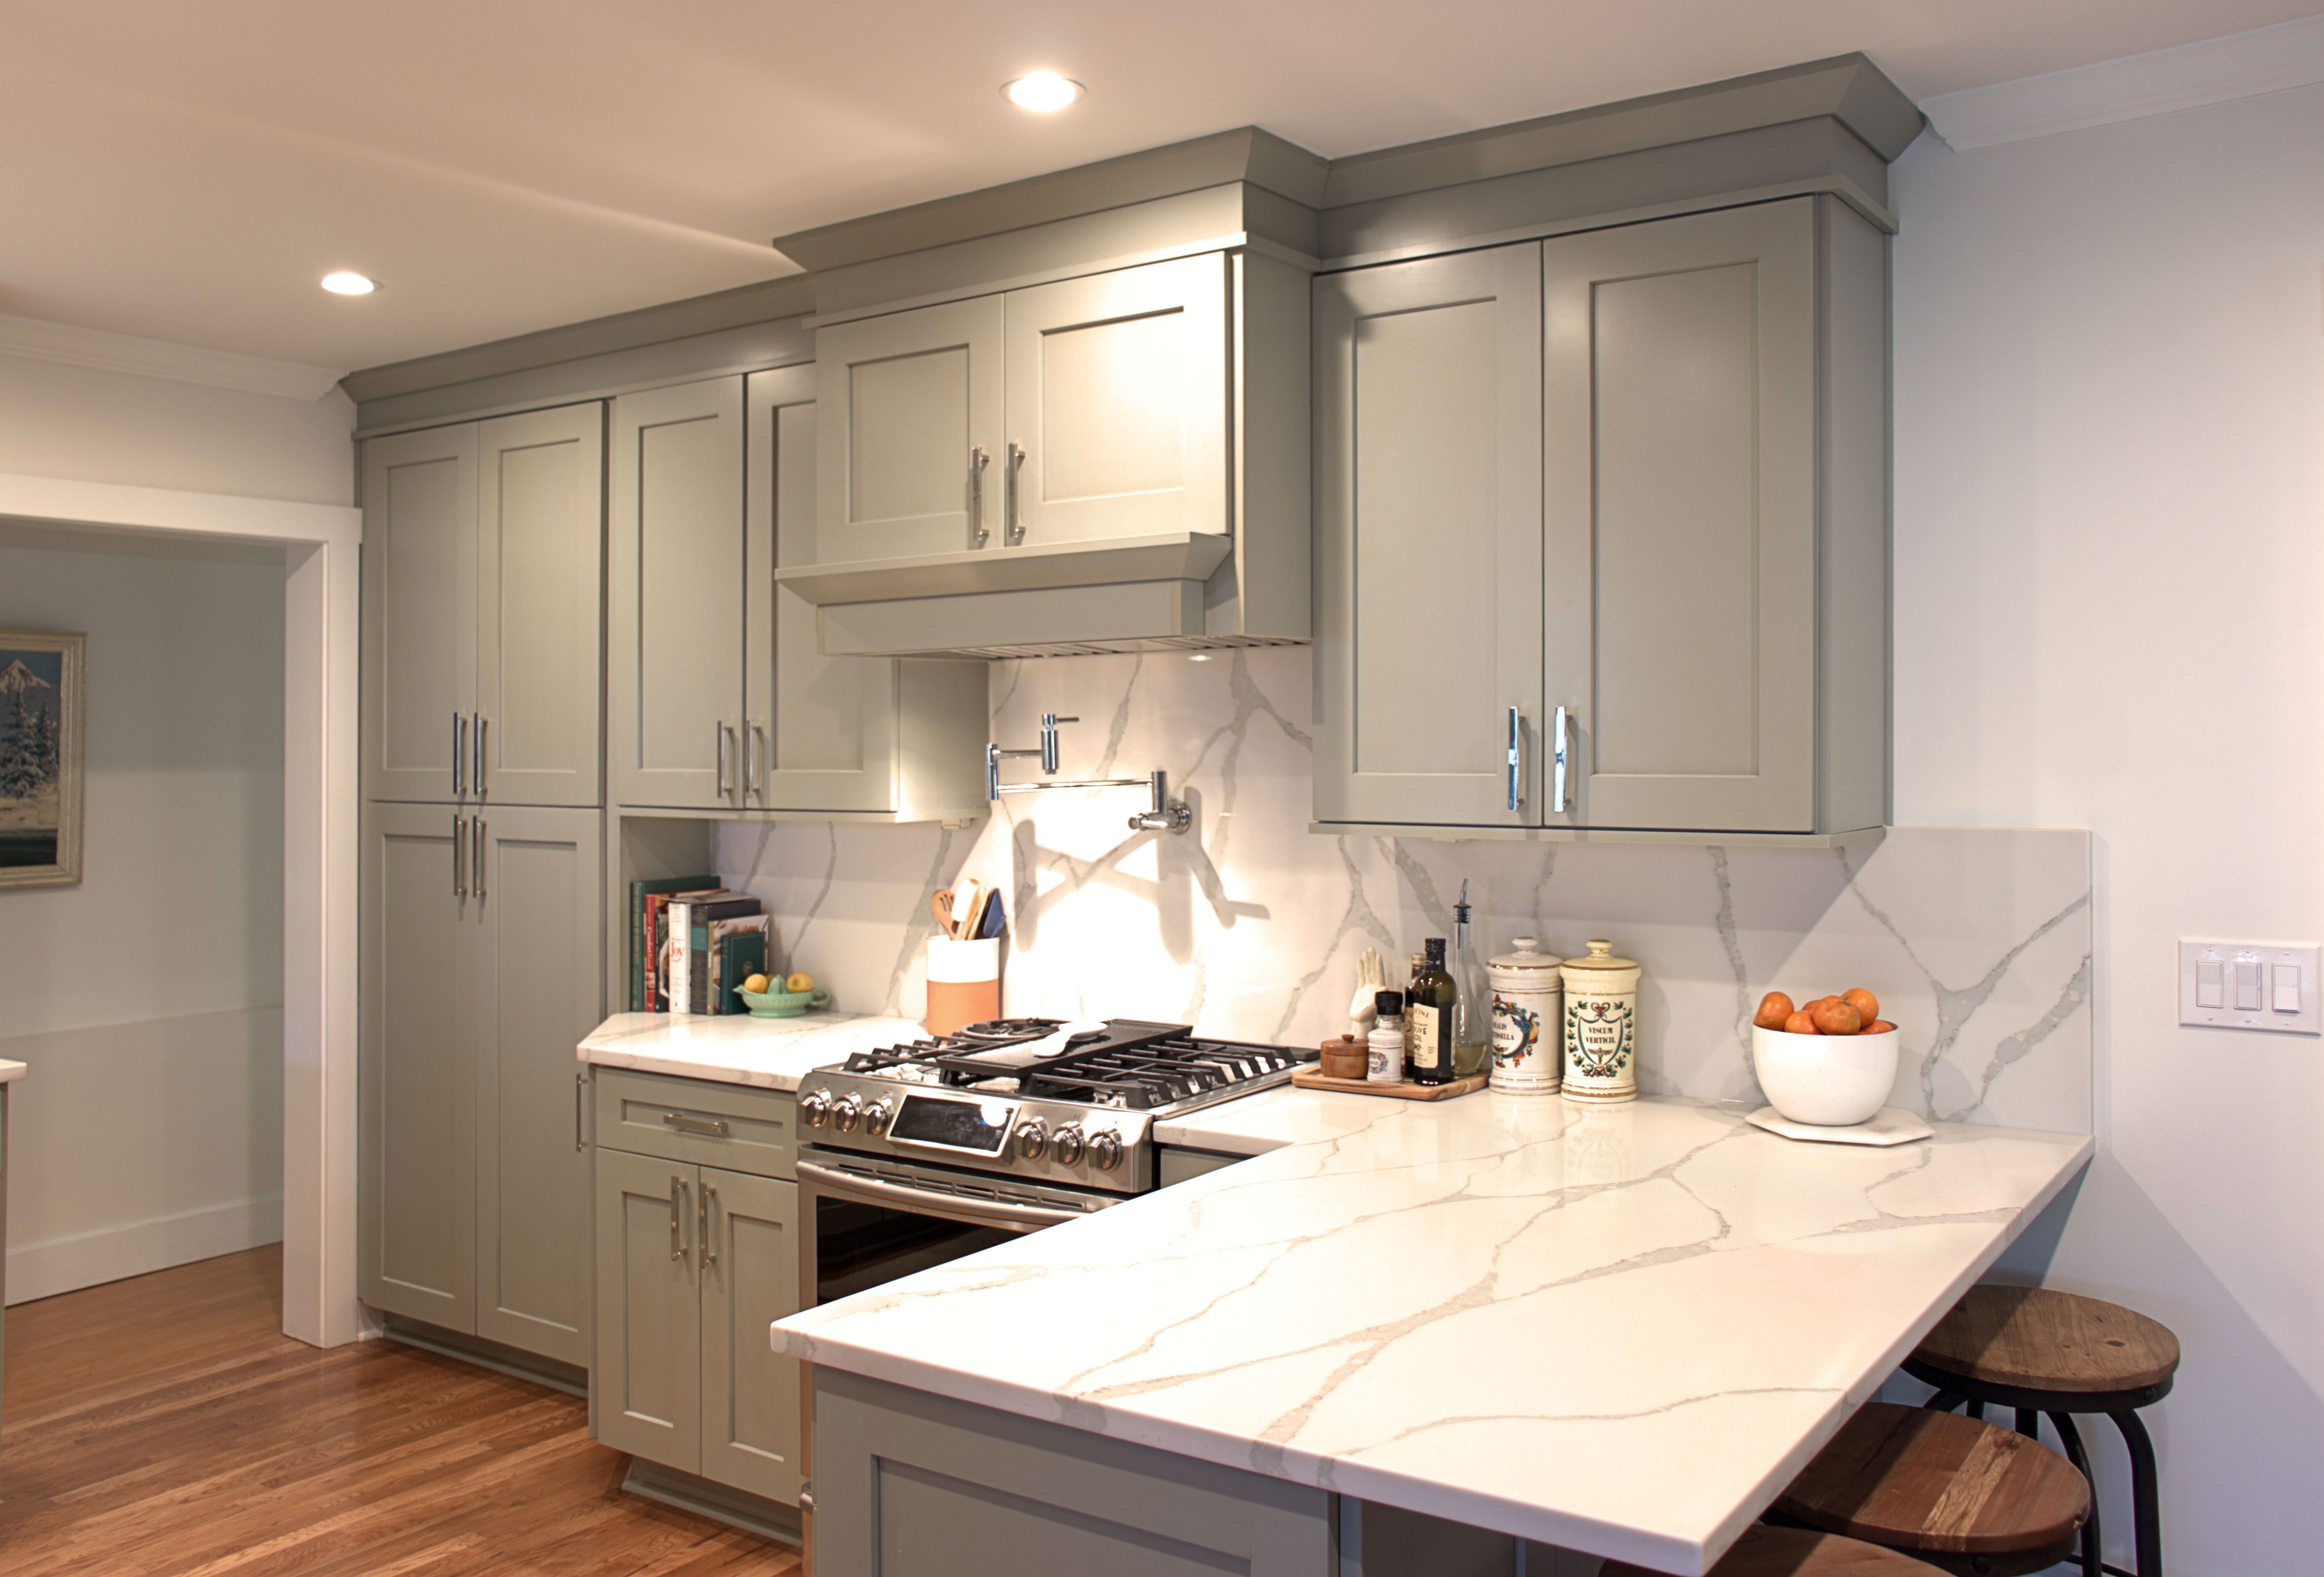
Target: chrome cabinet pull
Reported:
point(708, 1127)
point(459, 754)
point(580, 1100)
point(1016, 527)
point(677, 1216)
point(476, 860)
point(1517, 757)
point(754, 780)
point(709, 1239)
point(722, 790)
point(483, 723)
point(1557, 805)
point(977, 461)
point(459, 855)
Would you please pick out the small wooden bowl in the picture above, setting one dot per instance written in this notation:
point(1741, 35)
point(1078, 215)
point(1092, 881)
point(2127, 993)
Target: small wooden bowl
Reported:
point(1345, 1058)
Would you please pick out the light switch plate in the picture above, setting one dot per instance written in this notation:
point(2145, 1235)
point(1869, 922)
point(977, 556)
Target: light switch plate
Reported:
point(2252, 965)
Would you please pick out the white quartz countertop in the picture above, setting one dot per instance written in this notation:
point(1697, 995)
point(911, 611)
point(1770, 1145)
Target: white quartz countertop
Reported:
point(734, 1048)
point(1621, 1330)
point(10, 1070)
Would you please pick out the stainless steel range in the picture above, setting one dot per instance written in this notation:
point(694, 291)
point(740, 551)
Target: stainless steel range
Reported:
point(919, 1153)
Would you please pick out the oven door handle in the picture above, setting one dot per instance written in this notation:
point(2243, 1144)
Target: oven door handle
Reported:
point(980, 1213)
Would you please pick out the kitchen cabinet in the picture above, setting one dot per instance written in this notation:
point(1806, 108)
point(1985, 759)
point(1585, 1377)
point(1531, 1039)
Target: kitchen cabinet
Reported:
point(720, 697)
point(1076, 410)
point(693, 1262)
point(481, 632)
point(481, 971)
point(1650, 498)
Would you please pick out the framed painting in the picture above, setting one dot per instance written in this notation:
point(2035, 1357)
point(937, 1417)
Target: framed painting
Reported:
point(41, 712)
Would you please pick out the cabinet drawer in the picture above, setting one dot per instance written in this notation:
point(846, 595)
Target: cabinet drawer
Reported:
point(739, 1126)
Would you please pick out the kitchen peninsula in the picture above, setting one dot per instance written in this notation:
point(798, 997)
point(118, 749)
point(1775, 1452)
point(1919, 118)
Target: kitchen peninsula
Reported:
point(1617, 1331)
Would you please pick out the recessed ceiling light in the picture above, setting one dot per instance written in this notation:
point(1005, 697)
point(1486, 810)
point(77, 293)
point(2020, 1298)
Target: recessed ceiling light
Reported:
point(348, 284)
point(1042, 91)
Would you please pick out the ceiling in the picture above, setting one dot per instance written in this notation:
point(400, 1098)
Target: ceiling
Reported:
point(186, 173)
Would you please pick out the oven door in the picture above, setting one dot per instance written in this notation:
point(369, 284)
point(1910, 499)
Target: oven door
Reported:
point(864, 1223)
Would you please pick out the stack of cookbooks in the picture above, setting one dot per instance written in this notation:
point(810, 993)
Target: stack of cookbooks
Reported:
point(692, 943)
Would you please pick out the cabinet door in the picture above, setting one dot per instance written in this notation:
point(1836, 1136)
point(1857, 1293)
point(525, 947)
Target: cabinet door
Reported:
point(749, 1392)
point(417, 1196)
point(1680, 516)
point(675, 699)
point(419, 608)
point(540, 512)
point(533, 957)
point(1428, 539)
point(911, 401)
point(1117, 400)
point(645, 1388)
point(821, 730)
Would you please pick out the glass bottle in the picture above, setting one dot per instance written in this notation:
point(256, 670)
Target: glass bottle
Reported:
point(1419, 969)
point(1473, 1013)
point(1428, 1015)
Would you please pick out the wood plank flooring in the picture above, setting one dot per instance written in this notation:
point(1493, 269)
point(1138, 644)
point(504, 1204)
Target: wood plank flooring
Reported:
point(164, 1427)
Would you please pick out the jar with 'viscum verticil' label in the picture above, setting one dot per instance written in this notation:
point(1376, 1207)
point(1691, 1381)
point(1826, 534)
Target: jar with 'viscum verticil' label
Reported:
point(1601, 1026)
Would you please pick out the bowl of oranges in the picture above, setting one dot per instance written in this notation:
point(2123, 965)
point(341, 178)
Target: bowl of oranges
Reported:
point(1829, 1063)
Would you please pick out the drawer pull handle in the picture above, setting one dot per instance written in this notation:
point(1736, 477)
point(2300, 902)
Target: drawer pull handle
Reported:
point(709, 1127)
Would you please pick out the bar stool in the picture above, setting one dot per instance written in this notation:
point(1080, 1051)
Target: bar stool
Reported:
point(1959, 1493)
point(2041, 1350)
point(1795, 1552)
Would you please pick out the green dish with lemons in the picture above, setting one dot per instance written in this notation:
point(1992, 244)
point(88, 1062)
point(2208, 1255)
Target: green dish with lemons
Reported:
point(783, 1004)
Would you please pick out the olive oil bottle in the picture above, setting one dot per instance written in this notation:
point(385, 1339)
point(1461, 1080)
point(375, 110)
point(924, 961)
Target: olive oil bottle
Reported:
point(1428, 1016)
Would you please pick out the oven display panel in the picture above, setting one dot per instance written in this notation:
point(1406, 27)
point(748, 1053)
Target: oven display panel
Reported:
point(978, 1126)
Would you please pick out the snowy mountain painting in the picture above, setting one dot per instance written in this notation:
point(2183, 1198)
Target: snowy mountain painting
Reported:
point(39, 766)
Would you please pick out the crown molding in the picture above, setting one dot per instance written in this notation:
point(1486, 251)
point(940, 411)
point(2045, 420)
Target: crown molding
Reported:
point(2242, 65)
point(157, 358)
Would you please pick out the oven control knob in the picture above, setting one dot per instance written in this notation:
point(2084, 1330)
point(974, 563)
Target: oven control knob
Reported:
point(847, 1113)
point(876, 1121)
point(1106, 1150)
point(1069, 1144)
point(1032, 1138)
point(817, 1108)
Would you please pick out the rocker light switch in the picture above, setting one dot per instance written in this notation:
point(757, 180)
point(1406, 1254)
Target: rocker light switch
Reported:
point(2249, 985)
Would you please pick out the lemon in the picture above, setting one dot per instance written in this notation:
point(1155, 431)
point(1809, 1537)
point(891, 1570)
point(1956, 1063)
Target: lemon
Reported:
point(757, 984)
point(801, 982)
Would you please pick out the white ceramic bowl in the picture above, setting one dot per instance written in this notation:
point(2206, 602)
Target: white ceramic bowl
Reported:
point(1830, 1081)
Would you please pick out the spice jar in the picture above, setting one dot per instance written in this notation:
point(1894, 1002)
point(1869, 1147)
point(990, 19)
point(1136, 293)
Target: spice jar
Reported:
point(1527, 1054)
point(1601, 1026)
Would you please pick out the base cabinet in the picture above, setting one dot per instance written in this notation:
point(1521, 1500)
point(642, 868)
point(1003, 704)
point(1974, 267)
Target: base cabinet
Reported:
point(694, 1263)
point(481, 971)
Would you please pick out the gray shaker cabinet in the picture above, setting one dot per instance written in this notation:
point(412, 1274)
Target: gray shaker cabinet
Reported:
point(481, 972)
point(646, 1382)
point(482, 543)
point(1710, 593)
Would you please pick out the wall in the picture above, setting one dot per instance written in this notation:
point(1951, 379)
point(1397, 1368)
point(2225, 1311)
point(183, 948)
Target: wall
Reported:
point(2109, 533)
point(147, 1001)
point(94, 425)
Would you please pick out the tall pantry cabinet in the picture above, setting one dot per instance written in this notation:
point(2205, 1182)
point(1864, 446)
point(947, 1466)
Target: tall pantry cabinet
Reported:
point(482, 872)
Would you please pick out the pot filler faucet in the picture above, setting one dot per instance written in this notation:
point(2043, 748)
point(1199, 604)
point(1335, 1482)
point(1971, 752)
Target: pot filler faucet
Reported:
point(1168, 815)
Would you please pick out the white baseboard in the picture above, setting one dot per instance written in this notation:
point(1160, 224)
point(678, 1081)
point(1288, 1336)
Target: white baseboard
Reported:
point(38, 1270)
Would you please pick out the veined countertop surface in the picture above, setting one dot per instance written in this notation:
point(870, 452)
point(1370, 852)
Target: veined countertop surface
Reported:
point(1621, 1330)
point(734, 1048)
point(10, 1070)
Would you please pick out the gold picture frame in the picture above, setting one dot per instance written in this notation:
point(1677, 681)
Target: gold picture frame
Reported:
point(42, 708)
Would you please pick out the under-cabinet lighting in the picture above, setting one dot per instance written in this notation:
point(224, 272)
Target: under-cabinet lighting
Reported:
point(344, 283)
point(1042, 91)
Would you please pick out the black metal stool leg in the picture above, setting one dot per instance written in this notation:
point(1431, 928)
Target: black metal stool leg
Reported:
point(1977, 1409)
point(1942, 1402)
point(2029, 1423)
point(2093, 1550)
point(2146, 1510)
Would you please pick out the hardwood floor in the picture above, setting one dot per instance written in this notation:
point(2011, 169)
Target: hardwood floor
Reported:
point(164, 1427)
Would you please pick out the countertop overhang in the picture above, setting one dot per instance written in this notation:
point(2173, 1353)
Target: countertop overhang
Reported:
point(1619, 1329)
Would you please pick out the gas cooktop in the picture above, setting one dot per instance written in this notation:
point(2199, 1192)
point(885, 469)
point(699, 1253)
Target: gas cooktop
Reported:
point(1127, 1064)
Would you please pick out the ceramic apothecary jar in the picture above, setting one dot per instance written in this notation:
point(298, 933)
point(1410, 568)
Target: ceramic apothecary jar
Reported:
point(1601, 1026)
point(1526, 1058)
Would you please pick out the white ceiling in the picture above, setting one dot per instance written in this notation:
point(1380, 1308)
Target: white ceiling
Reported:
point(187, 172)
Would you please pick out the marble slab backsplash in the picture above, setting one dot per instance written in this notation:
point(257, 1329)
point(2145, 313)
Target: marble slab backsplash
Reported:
point(1977, 941)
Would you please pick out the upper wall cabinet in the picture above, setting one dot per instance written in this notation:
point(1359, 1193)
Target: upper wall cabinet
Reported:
point(1603, 534)
point(719, 698)
point(482, 543)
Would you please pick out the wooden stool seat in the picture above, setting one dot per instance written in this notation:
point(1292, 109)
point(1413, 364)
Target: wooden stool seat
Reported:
point(1795, 1552)
point(1959, 1493)
point(2035, 1339)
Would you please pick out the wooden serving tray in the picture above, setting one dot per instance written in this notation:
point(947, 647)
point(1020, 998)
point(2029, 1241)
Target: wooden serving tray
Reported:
point(1310, 1079)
